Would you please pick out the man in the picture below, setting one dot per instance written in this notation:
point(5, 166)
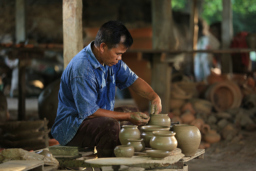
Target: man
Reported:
point(85, 115)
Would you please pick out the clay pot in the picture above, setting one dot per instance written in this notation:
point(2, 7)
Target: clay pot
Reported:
point(187, 118)
point(129, 132)
point(176, 103)
point(188, 107)
point(210, 136)
point(124, 151)
point(163, 140)
point(160, 119)
point(147, 132)
point(176, 119)
point(204, 145)
point(188, 137)
point(188, 87)
point(138, 145)
point(176, 112)
point(224, 95)
point(201, 106)
point(198, 123)
point(222, 123)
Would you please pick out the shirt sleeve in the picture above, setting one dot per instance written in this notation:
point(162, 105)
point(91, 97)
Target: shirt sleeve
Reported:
point(125, 77)
point(85, 95)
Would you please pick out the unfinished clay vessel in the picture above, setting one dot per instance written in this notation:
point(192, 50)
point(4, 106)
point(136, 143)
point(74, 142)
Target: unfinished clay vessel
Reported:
point(138, 145)
point(147, 134)
point(188, 137)
point(124, 151)
point(129, 132)
point(160, 119)
point(163, 140)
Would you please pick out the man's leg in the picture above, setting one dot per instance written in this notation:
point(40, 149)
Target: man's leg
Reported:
point(102, 132)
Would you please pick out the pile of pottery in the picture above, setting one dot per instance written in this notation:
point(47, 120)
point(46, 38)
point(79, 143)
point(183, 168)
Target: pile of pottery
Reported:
point(24, 134)
point(158, 138)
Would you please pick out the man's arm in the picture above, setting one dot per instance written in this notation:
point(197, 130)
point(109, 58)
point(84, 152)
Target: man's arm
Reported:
point(142, 88)
point(136, 118)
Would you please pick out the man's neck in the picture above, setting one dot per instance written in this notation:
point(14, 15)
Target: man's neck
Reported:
point(96, 53)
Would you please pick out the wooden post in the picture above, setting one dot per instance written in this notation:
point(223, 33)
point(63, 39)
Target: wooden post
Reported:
point(227, 35)
point(163, 39)
point(20, 37)
point(20, 21)
point(72, 29)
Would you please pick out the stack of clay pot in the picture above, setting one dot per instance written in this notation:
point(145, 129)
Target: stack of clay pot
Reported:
point(24, 134)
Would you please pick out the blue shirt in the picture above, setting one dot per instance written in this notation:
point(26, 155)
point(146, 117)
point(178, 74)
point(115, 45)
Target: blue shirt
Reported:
point(86, 86)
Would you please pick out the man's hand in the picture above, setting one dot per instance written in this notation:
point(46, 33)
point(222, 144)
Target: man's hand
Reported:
point(155, 106)
point(139, 118)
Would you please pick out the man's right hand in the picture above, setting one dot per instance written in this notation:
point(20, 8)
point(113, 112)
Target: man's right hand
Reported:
point(139, 118)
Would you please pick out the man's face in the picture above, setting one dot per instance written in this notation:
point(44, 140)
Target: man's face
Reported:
point(113, 55)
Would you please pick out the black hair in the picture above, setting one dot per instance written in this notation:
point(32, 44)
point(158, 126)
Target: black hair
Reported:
point(111, 32)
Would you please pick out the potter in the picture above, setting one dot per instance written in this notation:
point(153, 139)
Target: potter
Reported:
point(86, 98)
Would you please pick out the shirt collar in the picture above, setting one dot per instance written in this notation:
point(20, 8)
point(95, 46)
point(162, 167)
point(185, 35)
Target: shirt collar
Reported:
point(95, 63)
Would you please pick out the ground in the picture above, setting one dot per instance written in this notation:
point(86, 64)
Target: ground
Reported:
point(240, 154)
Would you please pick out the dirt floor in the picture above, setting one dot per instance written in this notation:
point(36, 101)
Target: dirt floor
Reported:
point(237, 155)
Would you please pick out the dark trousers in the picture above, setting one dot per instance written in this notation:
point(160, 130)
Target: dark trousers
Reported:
point(102, 132)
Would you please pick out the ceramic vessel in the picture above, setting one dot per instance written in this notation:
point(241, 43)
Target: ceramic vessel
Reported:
point(138, 145)
point(187, 117)
point(129, 132)
point(160, 119)
point(188, 137)
point(158, 153)
point(124, 151)
point(210, 136)
point(147, 134)
point(163, 140)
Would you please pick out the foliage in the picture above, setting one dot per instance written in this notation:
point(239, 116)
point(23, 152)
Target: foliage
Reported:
point(244, 12)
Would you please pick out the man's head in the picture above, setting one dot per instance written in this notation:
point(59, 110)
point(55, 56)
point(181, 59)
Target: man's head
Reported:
point(112, 40)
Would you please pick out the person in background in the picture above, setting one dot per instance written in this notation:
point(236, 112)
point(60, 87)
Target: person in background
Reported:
point(204, 62)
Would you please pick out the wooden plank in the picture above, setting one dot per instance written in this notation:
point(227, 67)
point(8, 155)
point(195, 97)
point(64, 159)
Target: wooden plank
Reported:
point(20, 21)
point(22, 93)
point(163, 39)
point(22, 165)
point(72, 29)
point(198, 153)
point(227, 35)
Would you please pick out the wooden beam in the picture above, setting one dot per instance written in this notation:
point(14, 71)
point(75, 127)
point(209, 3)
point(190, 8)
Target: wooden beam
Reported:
point(163, 39)
point(20, 21)
point(227, 35)
point(72, 29)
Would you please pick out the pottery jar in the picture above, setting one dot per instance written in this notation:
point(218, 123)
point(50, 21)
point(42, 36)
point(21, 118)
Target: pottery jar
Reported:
point(138, 145)
point(163, 140)
point(188, 137)
point(160, 119)
point(147, 134)
point(128, 132)
point(124, 151)
point(210, 136)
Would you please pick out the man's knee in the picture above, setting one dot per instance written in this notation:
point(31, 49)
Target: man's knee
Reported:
point(112, 124)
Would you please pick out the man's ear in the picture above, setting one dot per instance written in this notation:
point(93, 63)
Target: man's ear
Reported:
point(103, 47)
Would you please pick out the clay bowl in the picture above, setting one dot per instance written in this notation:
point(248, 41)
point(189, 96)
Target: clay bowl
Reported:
point(147, 132)
point(124, 151)
point(158, 153)
point(160, 119)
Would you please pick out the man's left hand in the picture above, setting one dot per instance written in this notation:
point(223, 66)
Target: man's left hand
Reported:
point(155, 106)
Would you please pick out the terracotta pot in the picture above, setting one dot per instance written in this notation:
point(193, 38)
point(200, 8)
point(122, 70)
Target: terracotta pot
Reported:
point(138, 145)
point(224, 95)
point(204, 145)
point(163, 140)
point(147, 132)
point(176, 119)
point(124, 151)
point(188, 137)
point(198, 123)
point(176, 112)
point(176, 103)
point(160, 119)
point(188, 87)
point(210, 136)
point(201, 106)
point(188, 107)
point(187, 118)
point(128, 132)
